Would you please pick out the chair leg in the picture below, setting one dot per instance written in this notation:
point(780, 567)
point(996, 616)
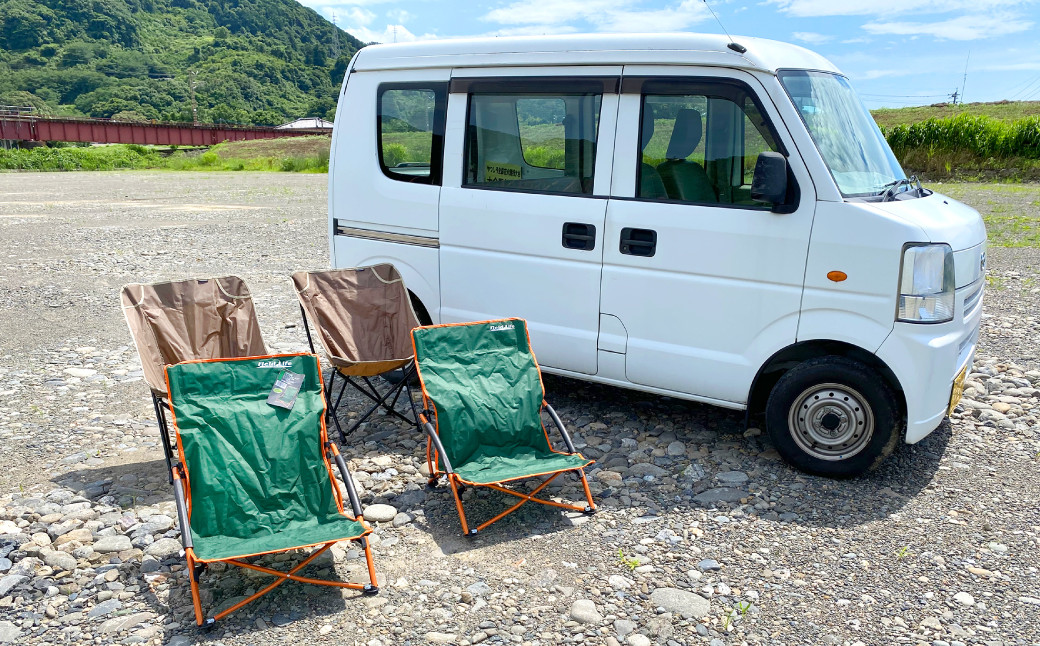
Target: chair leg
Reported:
point(373, 587)
point(452, 480)
point(280, 578)
point(332, 407)
point(380, 400)
point(164, 434)
point(193, 579)
point(457, 487)
point(588, 493)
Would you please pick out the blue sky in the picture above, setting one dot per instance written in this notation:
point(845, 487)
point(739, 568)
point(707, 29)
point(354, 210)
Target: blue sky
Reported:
point(897, 52)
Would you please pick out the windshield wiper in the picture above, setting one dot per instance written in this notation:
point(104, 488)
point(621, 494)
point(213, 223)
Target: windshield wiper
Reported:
point(891, 188)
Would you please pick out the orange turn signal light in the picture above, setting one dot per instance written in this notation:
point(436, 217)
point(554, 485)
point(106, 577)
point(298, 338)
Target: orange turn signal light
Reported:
point(837, 276)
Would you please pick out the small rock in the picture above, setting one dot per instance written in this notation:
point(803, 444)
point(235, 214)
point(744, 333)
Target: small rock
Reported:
point(80, 372)
point(117, 543)
point(478, 589)
point(644, 469)
point(60, 561)
point(623, 627)
point(638, 640)
point(676, 449)
point(403, 518)
point(681, 602)
point(584, 611)
point(9, 582)
point(380, 513)
point(964, 598)
point(163, 548)
point(9, 633)
point(719, 494)
point(732, 477)
point(440, 638)
point(709, 565)
point(619, 582)
point(104, 608)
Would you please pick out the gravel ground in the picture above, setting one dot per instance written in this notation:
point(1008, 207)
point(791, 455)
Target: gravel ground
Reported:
point(704, 535)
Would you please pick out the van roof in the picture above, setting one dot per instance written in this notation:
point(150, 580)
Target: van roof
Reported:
point(592, 49)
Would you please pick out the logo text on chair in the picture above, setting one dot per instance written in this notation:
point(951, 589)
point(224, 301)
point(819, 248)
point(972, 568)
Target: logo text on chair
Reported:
point(274, 363)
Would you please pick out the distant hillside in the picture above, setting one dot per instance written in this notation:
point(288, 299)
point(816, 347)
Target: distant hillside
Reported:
point(252, 61)
point(1001, 110)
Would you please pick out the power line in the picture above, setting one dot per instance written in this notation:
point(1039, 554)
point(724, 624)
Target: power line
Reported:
point(1020, 86)
point(905, 96)
point(1027, 89)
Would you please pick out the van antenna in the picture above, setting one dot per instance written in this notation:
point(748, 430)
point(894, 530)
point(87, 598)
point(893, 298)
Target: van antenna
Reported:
point(740, 49)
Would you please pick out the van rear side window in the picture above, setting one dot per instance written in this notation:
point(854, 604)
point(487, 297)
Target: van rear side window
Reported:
point(535, 142)
point(411, 131)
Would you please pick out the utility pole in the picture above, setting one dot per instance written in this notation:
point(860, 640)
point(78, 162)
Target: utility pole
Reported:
point(194, 106)
point(335, 37)
point(954, 97)
point(965, 80)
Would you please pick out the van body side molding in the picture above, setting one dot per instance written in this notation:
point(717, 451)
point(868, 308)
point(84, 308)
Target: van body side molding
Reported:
point(382, 236)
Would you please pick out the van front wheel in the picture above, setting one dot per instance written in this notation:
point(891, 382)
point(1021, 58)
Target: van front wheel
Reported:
point(833, 417)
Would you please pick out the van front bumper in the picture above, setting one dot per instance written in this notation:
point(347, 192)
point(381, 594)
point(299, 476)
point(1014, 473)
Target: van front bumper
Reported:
point(926, 359)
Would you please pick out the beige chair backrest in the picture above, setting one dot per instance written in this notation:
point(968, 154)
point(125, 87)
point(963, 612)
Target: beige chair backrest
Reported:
point(363, 317)
point(198, 318)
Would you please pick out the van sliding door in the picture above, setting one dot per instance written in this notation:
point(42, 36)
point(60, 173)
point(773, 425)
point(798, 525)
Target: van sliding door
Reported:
point(523, 204)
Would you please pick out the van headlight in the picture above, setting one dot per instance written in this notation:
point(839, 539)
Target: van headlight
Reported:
point(926, 284)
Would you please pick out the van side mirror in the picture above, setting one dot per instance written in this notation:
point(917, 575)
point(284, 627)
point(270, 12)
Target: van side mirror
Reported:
point(769, 184)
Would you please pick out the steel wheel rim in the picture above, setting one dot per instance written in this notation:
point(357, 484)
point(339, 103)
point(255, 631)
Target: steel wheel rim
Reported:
point(831, 422)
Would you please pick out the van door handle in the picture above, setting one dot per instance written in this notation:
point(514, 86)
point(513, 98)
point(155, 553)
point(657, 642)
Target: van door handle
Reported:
point(638, 242)
point(577, 235)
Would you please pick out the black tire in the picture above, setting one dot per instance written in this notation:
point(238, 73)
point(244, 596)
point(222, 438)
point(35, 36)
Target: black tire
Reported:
point(833, 417)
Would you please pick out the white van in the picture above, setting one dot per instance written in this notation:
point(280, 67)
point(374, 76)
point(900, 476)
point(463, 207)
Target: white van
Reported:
point(679, 214)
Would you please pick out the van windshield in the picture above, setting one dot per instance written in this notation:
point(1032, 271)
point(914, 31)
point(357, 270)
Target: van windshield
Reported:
point(849, 140)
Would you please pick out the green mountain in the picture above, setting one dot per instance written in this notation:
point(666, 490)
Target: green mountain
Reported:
point(250, 61)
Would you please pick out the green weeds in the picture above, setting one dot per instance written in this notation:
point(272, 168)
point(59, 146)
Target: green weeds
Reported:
point(630, 562)
point(134, 157)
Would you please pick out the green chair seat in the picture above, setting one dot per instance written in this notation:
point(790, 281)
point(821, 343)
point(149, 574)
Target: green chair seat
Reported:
point(311, 531)
point(493, 464)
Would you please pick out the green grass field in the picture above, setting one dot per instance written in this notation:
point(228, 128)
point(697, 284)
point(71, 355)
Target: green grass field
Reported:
point(1011, 211)
point(1002, 111)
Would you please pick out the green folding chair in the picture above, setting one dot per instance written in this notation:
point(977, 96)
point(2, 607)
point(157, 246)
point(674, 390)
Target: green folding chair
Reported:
point(483, 390)
point(255, 477)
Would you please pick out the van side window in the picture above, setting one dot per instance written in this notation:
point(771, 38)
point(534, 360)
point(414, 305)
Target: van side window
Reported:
point(536, 142)
point(411, 131)
point(700, 146)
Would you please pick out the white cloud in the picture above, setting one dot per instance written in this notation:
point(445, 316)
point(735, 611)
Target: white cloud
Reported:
point(356, 16)
point(533, 30)
point(811, 37)
point(392, 34)
point(550, 16)
point(400, 16)
point(813, 8)
point(971, 27)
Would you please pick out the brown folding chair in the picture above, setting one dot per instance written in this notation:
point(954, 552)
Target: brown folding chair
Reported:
point(363, 318)
point(188, 320)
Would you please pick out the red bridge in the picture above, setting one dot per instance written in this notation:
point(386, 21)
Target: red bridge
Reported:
point(105, 131)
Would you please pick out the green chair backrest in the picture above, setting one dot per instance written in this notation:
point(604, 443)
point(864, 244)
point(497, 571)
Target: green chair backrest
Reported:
point(253, 468)
point(484, 383)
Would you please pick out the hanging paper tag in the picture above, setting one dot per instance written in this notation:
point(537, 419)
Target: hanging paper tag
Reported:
point(285, 389)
